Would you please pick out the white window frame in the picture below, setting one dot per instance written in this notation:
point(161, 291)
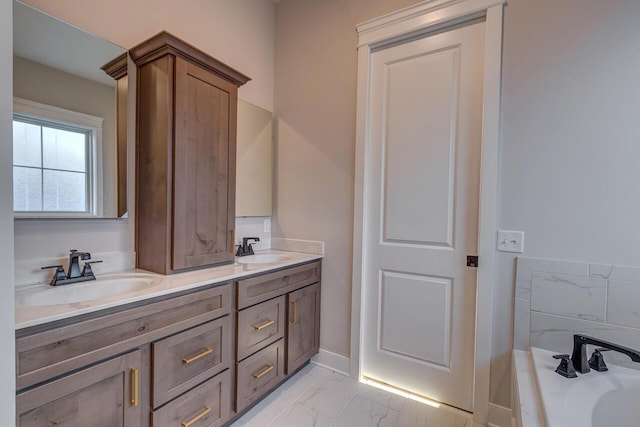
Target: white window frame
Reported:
point(32, 110)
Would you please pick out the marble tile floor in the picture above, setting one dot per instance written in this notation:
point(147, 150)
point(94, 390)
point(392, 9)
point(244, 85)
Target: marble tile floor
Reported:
point(318, 397)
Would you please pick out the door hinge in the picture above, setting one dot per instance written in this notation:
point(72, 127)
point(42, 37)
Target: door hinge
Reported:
point(472, 260)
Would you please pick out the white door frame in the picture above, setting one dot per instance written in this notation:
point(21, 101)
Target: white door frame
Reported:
point(426, 17)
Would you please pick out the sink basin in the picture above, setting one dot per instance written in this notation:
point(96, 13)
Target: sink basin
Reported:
point(261, 259)
point(102, 287)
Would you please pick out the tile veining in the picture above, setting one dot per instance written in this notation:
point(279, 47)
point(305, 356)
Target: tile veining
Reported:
point(316, 397)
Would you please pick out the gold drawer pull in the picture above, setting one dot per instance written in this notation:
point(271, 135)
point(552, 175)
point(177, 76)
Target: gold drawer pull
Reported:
point(295, 312)
point(264, 372)
point(264, 325)
point(197, 356)
point(134, 387)
point(207, 409)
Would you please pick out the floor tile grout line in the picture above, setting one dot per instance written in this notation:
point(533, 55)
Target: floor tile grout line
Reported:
point(346, 406)
point(294, 400)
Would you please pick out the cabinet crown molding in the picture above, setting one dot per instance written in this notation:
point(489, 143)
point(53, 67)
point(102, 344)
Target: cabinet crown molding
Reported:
point(116, 68)
point(165, 43)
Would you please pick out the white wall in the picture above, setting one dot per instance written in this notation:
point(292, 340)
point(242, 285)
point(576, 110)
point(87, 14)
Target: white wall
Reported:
point(570, 142)
point(240, 33)
point(315, 100)
point(7, 362)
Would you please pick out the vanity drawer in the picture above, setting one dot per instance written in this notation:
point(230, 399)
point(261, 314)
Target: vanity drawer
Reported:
point(47, 354)
point(259, 373)
point(207, 405)
point(260, 325)
point(261, 288)
point(188, 358)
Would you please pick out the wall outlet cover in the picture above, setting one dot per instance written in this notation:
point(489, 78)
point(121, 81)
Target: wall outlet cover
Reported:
point(510, 241)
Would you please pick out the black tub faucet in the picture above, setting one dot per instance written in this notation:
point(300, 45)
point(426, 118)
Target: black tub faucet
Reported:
point(579, 356)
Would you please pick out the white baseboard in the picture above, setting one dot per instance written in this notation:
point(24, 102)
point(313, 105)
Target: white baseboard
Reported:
point(499, 416)
point(333, 361)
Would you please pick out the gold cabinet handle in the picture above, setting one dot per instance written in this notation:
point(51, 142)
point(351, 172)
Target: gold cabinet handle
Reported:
point(134, 386)
point(295, 312)
point(264, 325)
point(197, 356)
point(206, 410)
point(264, 372)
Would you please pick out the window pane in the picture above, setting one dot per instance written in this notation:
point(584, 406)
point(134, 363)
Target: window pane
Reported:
point(65, 191)
point(63, 149)
point(26, 144)
point(27, 189)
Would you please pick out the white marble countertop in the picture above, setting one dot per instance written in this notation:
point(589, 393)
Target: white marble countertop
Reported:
point(528, 410)
point(29, 314)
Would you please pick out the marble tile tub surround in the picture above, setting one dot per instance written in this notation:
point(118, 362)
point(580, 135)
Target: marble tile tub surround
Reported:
point(555, 299)
point(317, 396)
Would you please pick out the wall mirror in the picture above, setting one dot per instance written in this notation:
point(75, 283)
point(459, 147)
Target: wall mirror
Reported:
point(68, 120)
point(254, 161)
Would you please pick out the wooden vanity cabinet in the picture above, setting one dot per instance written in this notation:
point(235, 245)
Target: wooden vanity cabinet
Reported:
point(278, 328)
point(106, 394)
point(303, 326)
point(185, 156)
point(165, 361)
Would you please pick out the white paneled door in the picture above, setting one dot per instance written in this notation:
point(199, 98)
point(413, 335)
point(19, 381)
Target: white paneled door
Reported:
point(422, 182)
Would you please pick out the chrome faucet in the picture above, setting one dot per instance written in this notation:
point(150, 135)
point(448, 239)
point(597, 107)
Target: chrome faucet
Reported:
point(73, 274)
point(579, 356)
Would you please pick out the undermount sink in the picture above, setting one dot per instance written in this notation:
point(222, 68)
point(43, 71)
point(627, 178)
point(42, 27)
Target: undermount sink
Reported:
point(102, 287)
point(261, 259)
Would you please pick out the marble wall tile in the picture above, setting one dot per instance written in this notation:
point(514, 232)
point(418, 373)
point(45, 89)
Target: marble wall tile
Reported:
point(521, 324)
point(615, 272)
point(523, 279)
point(623, 303)
point(567, 295)
point(554, 266)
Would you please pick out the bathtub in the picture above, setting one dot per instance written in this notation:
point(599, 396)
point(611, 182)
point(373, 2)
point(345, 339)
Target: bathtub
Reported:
point(597, 399)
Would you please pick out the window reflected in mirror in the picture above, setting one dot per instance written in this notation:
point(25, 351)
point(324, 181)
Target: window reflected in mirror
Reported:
point(56, 154)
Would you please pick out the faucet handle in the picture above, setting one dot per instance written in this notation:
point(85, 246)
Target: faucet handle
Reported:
point(58, 275)
point(86, 269)
point(597, 361)
point(565, 368)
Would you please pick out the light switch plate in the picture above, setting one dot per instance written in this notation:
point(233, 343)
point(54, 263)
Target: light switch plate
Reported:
point(510, 241)
point(267, 225)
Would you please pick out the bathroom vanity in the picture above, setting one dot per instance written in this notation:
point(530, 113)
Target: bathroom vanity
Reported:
point(189, 353)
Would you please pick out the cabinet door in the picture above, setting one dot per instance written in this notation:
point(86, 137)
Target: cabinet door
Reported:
point(203, 168)
point(303, 326)
point(106, 394)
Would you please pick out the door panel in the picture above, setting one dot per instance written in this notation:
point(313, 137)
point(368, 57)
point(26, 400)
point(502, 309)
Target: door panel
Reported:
point(415, 313)
point(422, 175)
point(204, 169)
point(423, 148)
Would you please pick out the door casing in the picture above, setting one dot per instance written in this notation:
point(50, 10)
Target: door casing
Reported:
point(422, 19)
